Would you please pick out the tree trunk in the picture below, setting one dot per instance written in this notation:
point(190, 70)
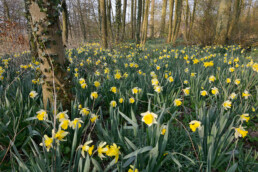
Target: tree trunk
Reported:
point(187, 13)
point(83, 27)
point(65, 22)
point(139, 16)
point(6, 10)
point(99, 15)
point(143, 8)
point(222, 22)
point(103, 23)
point(118, 19)
point(152, 19)
point(124, 17)
point(163, 18)
point(53, 63)
point(192, 18)
point(109, 26)
point(171, 7)
point(177, 20)
point(145, 22)
point(235, 17)
point(32, 42)
point(132, 18)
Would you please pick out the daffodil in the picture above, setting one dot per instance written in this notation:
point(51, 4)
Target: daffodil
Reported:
point(113, 103)
point(204, 93)
point(237, 81)
point(246, 94)
point(86, 148)
point(60, 135)
point(121, 100)
point(94, 95)
point(177, 102)
point(228, 80)
point(76, 121)
point(149, 118)
point(135, 90)
point(131, 100)
point(93, 117)
point(42, 115)
point(113, 89)
point(227, 104)
point(158, 88)
point(170, 79)
point(62, 115)
point(101, 149)
point(232, 96)
point(212, 79)
point(64, 123)
point(133, 169)
point(113, 151)
point(85, 111)
point(240, 132)
point(48, 142)
point(194, 125)
point(96, 84)
point(215, 91)
point(154, 81)
point(245, 117)
point(163, 130)
point(33, 94)
point(186, 91)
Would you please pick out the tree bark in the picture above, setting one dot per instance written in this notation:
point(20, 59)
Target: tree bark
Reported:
point(53, 64)
point(192, 18)
point(139, 16)
point(163, 18)
point(152, 19)
point(171, 7)
point(187, 14)
point(132, 19)
point(103, 23)
point(65, 22)
point(145, 22)
point(118, 19)
point(124, 17)
point(177, 20)
point(222, 22)
point(32, 42)
point(82, 23)
point(235, 17)
point(109, 26)
point(6, 10)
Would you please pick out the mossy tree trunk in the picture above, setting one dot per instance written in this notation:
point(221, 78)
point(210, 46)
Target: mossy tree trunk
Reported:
point(65, 22)
point(53, 64)
point(177, 20)
point(118, 19)
point(170, 24)
point(103, 23)
point(6, 10)
point(187, 14)
point(163, 18)
point(124, 17)
point(223, 22)
point(32, 42)
point(152, 19)
point(139, 16)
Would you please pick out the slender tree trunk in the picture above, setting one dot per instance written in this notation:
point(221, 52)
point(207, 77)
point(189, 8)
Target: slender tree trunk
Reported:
point(139, 16)
point(187, 14)
point(99, 15)
point(109, 26)
point(222, 22)
point(145, 22)
point(235, 17)
point(65, 22)
point(104, 23)
point(192, 18)
point(132, 18)
point(163, 18)
point(124, 17)
point(32, 42)
point(53, 63)
point(171, 7)
point(118, 19)
point(83, 27)
point(152, 19)
point(177, 20)
point(143, 8)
